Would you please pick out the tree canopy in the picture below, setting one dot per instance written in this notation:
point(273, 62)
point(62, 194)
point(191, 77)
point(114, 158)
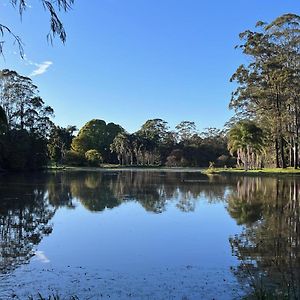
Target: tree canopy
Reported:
point(247, 140)
point(25, 123)
point(97, 135)
point(268, 87)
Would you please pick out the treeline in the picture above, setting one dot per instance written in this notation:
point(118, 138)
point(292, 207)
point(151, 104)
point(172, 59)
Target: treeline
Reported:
point(265, 130)
point(30, 140)
point(152, 145)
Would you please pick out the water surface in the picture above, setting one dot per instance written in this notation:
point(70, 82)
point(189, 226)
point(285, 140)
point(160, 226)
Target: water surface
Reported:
point(148, 235)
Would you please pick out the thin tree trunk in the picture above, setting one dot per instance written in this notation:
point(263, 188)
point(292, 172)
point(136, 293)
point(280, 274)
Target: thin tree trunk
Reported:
point(296, 139)
point(296, 155)
point(282, 153)
point(277, 153)
point(291, 154)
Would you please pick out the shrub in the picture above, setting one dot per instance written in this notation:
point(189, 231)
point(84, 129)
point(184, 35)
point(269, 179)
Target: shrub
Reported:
point(73, 158)
point(93, 157)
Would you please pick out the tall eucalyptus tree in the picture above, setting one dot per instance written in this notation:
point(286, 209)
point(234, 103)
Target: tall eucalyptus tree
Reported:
point(268, 87)
point(22, 105)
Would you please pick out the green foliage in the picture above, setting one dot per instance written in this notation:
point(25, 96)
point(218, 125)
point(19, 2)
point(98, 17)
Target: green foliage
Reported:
point(93, 157)
point(185, 131)
point(24, 123)
point(176, 159)
point(123, 145)
point(225, 161)
point(73, 158)
point(60, 142)
point(155, 144)
point(23, 107)
point(22, 150)
point(247, 140)
point(18, 150)
point(268, 87)
point(98, 135)
point(154, 130)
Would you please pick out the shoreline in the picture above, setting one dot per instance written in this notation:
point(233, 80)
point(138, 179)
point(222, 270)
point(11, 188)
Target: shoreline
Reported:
point(259, 172)
point(128, 168)
point(203, 171)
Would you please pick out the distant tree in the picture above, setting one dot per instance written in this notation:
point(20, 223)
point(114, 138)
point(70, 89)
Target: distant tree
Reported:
point(25, 123)
point(154, 139)
point(155, 130)
point(60, 142)
point(247, 140)
point(140, 148)
point(90, 136)
point(185, 131)
point(23, 107)
point(176, 159)
point(123, 147)
point(95, 134)
point(112, 130)
point(74, 158)
point(93, 157)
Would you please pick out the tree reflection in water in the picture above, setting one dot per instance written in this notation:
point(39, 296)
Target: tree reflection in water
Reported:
point(29, 201)
point(98, 191)
point(268, 208)
point(24, 220)
point(268, 248)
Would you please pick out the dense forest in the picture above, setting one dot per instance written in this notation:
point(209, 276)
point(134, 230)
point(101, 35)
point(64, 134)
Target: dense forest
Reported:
point(263, 132)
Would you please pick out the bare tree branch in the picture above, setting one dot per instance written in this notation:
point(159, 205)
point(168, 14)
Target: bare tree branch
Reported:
point(56, 25)
point(17, 40)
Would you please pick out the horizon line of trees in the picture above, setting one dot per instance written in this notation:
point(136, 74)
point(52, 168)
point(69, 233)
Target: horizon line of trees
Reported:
point(30, 140)
point(154, 144)
point(265, 130)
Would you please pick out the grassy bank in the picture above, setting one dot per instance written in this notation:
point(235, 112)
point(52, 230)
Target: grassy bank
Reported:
point(107, 167)
point(265, 171)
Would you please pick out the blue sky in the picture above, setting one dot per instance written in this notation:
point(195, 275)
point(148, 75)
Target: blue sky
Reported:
point(126, 61)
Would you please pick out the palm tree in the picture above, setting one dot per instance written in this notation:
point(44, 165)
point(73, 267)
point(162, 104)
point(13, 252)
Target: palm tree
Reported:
point(247, 141)
point(122, 147)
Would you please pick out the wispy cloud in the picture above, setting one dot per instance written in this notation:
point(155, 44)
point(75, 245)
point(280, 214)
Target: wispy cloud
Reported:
point(40, 256)
point(41, 68)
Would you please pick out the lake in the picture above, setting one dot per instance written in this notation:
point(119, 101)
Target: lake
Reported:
point(141, 234)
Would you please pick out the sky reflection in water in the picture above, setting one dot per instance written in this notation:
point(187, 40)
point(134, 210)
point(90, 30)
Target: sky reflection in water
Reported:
point(144, 234)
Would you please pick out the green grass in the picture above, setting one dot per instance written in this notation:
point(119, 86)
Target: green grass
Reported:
point(265, 171)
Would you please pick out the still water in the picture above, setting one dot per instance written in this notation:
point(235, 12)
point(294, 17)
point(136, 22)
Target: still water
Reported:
point(148, 235)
